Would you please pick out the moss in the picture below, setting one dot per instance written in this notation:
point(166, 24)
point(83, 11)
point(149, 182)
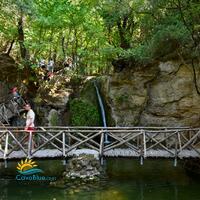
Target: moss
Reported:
point(84, 113)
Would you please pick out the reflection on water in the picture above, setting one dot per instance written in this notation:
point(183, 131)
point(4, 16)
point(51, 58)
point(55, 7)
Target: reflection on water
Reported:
point(155, 180)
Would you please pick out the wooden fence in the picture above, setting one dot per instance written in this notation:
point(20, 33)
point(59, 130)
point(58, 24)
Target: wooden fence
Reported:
point(140, 142)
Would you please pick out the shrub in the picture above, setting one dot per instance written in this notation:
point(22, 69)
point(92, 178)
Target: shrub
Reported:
point(84, 113)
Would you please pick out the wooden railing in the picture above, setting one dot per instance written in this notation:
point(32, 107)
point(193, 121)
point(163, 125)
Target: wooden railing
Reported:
point(140, 142)
point(9, 109)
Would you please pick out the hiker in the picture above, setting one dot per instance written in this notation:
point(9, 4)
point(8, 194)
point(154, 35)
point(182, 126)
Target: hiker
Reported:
point(15, 93)
point(50, 66)
point(42, 64)
point(50, 69)
point(68, 63)
point(30, 118)
point(17, 97)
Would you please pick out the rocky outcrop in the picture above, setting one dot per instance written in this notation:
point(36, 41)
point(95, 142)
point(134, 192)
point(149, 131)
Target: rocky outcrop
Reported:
point(51, 100)
point(82, 173)
point(162, 94)
point(86, 167)
point(54, 92)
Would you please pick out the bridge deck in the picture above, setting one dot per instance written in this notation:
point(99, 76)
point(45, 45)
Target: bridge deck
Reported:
point(44, 142)
point(53, 153)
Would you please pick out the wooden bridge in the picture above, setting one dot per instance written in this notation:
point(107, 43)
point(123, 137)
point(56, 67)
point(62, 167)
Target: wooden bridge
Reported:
point(142, 142)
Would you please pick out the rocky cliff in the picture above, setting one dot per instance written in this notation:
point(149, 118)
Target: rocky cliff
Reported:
point(8, 77)
point(161, 94)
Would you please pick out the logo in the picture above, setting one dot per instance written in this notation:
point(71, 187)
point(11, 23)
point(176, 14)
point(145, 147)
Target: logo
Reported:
point(28, 167)
point(28, 171)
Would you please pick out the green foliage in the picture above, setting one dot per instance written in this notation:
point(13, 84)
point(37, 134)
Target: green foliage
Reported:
point(153, 29)
point(83, 113)
point(95, 32)
point(169, 28)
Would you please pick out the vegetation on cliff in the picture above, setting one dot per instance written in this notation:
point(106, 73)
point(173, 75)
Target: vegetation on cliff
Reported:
point(84, 113)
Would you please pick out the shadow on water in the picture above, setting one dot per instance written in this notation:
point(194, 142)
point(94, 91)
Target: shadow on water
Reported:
point(126, 179)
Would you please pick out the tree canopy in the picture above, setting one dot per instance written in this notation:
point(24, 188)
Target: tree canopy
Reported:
point(94, 32)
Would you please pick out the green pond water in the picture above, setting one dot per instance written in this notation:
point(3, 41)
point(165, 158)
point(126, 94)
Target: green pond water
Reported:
point(126, 180)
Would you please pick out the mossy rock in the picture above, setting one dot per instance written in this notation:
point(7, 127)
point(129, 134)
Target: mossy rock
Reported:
point(84, 113)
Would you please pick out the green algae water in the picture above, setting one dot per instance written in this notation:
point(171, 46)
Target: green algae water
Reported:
point(126, 180)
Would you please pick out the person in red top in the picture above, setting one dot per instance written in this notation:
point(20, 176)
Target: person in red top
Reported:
point(15, 93)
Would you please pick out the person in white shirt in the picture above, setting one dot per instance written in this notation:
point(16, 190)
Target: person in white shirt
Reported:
point(50, 66)
point(42, 64)
point(30, 118)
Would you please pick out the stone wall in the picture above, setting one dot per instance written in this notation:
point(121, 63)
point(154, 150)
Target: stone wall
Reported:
point(162, 94)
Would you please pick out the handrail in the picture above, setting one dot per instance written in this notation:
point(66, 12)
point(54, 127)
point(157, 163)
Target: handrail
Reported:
point(125, 141)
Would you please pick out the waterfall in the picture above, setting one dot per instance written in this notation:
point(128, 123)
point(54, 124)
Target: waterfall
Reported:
point(103, 115)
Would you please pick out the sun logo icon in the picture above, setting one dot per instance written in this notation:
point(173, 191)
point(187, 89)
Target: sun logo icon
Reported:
point(28, 167)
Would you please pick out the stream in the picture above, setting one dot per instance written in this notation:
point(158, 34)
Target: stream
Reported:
point(126, 179)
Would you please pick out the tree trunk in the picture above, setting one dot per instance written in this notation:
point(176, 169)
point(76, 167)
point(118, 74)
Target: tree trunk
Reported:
point(10, 48)
point(124, 44)
point(23, 50)
point(63, 46)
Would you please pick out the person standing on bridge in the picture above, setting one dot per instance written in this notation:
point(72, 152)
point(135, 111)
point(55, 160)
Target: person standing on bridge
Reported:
point(30, 118)
point(30, 126)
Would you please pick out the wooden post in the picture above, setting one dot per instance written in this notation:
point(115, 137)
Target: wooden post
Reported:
point(63, 134)
point(69, 138)
point(63, 144)
point(64, 154)
point(144, 144)
point(6, 147)
point(175, 154)
point(141, 150)
point(101, 145)
point(190, 134)
point(6, 150)
point(30, 145)
point(179, 142)
point(137, 141)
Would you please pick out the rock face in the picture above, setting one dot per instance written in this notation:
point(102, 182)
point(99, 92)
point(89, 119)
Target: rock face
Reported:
point(51, 101)
point(162, 94)
point(53, 118)
point(4, 91)
point(55, 92)
point(8, 77)
point(8, 69)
